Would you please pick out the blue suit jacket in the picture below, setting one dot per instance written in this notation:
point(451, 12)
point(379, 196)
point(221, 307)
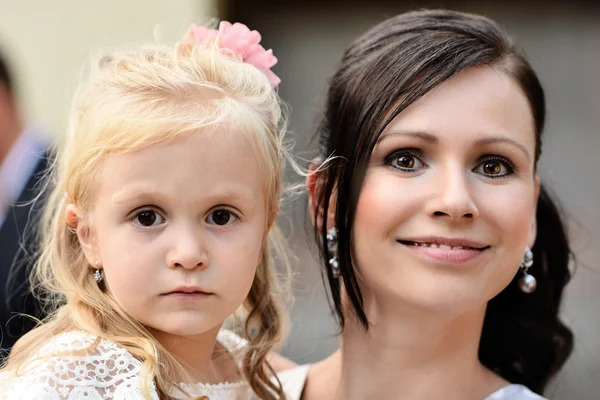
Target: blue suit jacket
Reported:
point(18, 243)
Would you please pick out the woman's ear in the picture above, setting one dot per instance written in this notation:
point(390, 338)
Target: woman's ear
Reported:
point(311, 187)
point(314, 186)
point(533, 223)
point(75, 218)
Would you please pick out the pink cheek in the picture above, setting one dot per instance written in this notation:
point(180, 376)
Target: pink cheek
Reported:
point(512, 217)
point(378, 207)
point(372, 198)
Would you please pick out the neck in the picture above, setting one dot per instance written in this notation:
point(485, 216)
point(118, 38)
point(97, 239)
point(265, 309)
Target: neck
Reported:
point(411, 353)
point(196, 354)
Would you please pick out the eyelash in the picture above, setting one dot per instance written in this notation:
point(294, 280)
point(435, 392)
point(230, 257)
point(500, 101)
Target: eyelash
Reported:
point(135, 214)
point(418, 154)
point(224, 208)
point(511, 166)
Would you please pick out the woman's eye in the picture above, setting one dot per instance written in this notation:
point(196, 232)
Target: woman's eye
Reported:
point(221, 217)
point(148, 218)
point(494, 168)
point(405, 162)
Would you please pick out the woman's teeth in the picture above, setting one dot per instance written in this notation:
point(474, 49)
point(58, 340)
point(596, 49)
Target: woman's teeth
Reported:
point(441, 246)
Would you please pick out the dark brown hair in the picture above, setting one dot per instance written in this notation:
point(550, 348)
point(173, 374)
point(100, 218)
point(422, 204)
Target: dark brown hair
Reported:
point(381, 74)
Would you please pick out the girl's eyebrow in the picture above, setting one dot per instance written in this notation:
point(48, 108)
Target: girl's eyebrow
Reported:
point(138, 191)
point(135, 191)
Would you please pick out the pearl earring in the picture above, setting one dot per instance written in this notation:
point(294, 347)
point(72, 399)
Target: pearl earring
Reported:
point(527, 283)
point(332, 246)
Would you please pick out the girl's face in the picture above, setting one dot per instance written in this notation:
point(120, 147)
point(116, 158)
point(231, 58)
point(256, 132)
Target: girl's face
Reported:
point(448, 203)
point(178, 229)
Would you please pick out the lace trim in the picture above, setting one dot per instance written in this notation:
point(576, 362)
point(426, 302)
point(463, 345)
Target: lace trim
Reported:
point(77, 366)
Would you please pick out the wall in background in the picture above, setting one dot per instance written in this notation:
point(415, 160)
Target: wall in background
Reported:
point(47, 42)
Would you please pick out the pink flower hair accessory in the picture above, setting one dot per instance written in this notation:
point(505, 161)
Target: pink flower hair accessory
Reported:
point(238, 39)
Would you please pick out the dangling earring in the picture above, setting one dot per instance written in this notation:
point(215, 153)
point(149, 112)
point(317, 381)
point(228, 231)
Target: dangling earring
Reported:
point(332, 246)
point(527, 283)
point(98, 274)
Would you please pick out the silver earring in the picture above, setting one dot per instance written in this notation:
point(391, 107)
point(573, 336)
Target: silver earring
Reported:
point(527, 283)
point(98, 274)
point(332, 246)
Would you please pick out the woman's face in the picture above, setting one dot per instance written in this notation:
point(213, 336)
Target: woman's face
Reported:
point(448, 203)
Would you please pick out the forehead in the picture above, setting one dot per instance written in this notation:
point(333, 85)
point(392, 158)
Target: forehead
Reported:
point(192, 166)
point(474, 103)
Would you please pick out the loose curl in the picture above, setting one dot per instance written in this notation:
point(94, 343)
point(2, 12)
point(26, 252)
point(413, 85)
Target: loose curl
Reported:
point(382, 73)
point(132, 100)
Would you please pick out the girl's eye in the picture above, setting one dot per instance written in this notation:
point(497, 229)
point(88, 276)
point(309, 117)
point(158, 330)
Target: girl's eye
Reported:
point(221, 217)
point(405, 161)
point(148, 218)
point(495, 168)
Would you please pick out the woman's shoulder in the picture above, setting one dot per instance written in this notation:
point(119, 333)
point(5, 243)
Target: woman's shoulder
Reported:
point(76, 365)
point(293, 382)
point(514, 392)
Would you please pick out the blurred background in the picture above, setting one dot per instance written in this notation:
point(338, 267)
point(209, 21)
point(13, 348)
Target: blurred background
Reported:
point(47, 43)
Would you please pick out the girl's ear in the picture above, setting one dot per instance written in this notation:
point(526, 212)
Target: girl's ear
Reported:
point(77, 220)
point(314, 184)
point(273, 217)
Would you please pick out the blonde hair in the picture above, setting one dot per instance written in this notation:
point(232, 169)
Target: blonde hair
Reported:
point(132, 100)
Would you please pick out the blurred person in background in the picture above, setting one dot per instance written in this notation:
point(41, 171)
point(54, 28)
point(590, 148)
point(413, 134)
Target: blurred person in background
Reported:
point(23, 150)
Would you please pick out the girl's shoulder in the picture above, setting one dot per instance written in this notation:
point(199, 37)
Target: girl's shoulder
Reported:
point(293, 381)
point(76, 365)
point(234, 344)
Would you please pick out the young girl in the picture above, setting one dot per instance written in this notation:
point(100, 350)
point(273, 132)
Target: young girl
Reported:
point(425, 217)
point(160, 226)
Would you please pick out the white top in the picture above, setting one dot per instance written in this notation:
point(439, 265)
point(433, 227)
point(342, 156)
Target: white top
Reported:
point(106, 372)
point(293, 382)
point(18, 166)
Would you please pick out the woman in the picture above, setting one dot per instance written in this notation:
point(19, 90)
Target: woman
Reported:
point(425, 212)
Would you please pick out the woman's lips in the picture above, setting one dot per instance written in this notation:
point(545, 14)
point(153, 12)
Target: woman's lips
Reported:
point(446, 251)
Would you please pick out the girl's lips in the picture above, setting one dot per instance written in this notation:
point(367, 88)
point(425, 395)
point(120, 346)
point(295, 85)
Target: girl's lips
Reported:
point(189, 296)
point(188, 293)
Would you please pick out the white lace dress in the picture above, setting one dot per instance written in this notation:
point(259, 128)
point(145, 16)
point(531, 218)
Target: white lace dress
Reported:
point(293, 382)
point(107, 372)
